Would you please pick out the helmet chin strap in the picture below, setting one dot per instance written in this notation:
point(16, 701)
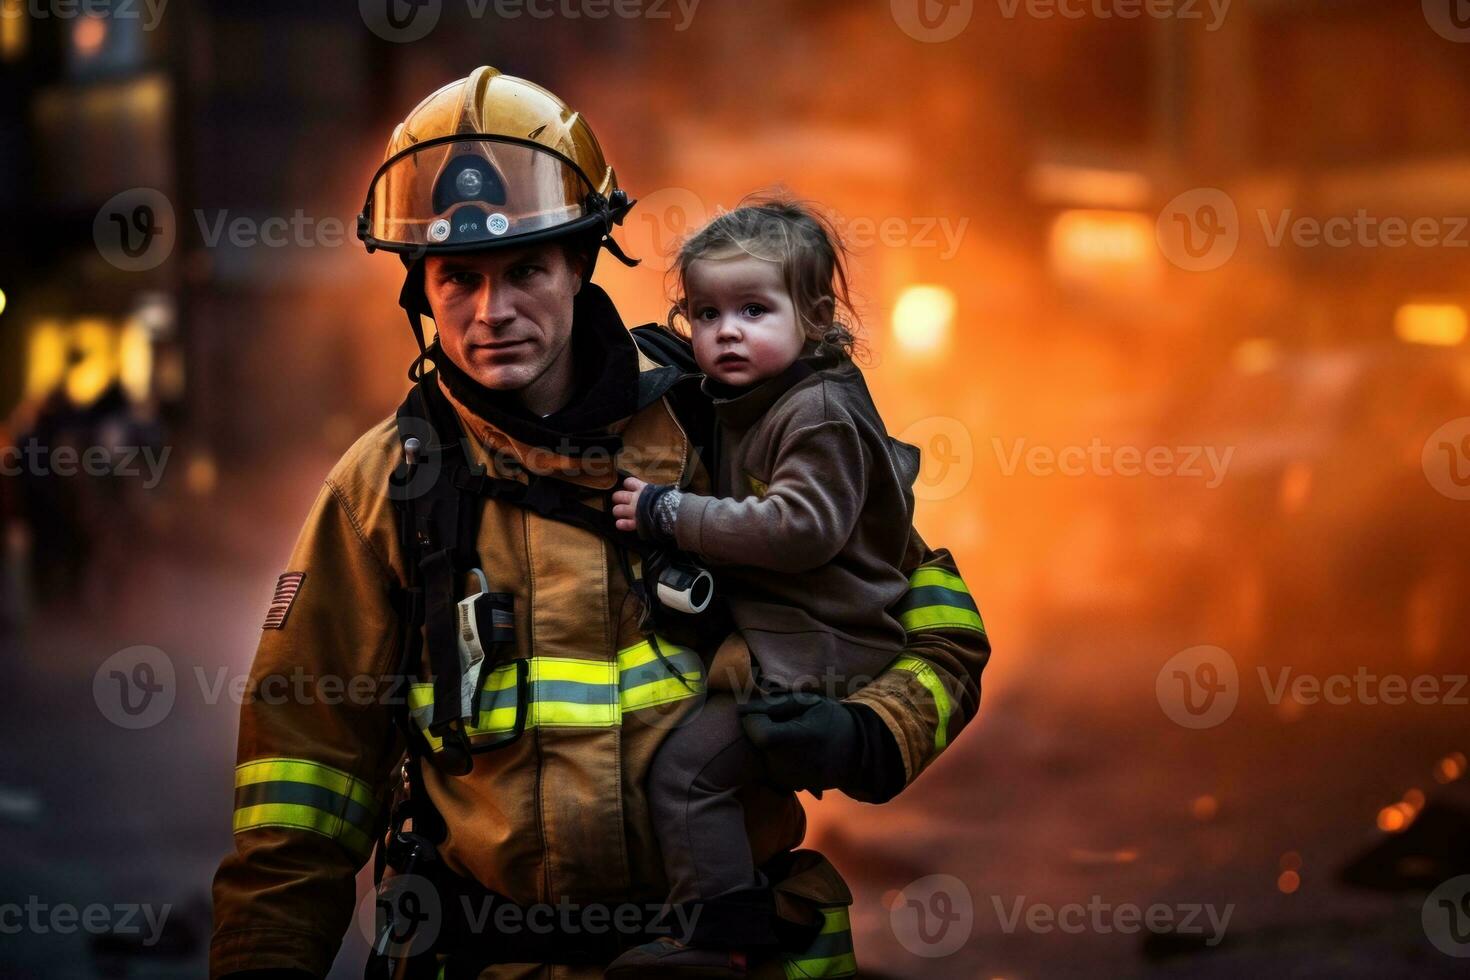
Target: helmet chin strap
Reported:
point(416, 369)
point(611, 244)
point(413, 300)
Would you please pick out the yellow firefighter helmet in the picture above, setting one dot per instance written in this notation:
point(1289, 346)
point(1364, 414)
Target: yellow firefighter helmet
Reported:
point(486, 161)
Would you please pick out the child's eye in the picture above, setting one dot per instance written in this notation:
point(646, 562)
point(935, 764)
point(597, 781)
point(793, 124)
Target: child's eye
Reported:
point(752, 310)
point(708, 313)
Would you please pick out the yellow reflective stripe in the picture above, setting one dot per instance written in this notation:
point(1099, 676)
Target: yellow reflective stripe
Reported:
point(573, 692)
point(641, 653)
point(924, 672)
point(598, 683)
point(835, 920)
point(500, 678)
point(937, 617)
point(303, 771)
point(297, 816)
point(826, 966)
point(572, 715)
point(938, 576)
point(494, 721)
point(931, 584)
point(579, 671)
point(664, 691)
point(830, 954)
point(421, 706)
point(304, 795)
point(667, 688)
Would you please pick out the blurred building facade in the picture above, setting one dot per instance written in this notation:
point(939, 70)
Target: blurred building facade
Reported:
point(1017, 175)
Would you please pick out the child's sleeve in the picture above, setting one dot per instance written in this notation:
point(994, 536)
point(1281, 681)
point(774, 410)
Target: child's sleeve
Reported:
point(804, 517)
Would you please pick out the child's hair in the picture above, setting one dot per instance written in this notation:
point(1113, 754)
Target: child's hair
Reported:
point(812, 258)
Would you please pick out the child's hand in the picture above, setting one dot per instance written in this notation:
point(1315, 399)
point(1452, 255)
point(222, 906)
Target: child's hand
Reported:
point(625, 503)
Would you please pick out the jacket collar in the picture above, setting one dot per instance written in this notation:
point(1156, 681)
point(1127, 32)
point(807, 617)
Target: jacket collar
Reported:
point(610, 388)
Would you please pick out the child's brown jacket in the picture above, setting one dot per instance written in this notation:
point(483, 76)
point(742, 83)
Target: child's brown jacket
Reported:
point(813, 509)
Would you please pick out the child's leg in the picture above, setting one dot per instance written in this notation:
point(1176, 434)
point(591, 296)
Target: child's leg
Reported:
point(696, 815)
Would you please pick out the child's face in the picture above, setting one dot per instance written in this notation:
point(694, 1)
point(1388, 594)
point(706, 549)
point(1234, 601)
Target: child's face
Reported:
point(743, 319)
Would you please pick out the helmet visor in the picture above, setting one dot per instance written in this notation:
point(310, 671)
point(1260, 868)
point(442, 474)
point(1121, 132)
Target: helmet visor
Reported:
point(473, 192)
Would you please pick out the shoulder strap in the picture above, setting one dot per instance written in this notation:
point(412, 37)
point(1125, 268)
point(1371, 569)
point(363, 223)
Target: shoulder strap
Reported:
point(666, 347)
point(691, 407)
point(438, 529)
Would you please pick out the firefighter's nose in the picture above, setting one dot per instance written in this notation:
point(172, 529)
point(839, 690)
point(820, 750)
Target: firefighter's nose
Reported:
point(495, 306)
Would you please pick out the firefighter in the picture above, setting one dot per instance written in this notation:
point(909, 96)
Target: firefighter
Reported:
point(503, 664)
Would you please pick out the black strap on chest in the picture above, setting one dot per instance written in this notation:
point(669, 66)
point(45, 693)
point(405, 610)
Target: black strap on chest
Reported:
point(691, 407)
point(439, 495)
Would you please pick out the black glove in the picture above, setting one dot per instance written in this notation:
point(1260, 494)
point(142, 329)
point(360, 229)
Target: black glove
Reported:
point(816, 743)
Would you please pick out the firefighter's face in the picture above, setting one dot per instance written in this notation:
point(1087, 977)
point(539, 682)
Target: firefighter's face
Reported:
point(505, 316)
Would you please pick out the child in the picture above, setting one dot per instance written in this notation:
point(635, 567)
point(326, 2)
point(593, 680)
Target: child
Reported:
point(807, 529)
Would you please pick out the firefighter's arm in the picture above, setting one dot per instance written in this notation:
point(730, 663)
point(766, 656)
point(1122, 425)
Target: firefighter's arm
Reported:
point(873, 744)
point(932, 690)
point(317, 748)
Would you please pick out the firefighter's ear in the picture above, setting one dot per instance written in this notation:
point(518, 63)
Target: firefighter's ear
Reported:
point(582, 265)
point(580, 261)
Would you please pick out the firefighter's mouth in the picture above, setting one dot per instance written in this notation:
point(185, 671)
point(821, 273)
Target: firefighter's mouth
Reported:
point(501, 346)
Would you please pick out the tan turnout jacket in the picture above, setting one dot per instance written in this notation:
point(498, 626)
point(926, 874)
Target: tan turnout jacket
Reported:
point(561, 813)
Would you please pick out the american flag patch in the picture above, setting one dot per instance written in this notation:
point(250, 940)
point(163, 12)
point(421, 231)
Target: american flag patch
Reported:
point(286, 588)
